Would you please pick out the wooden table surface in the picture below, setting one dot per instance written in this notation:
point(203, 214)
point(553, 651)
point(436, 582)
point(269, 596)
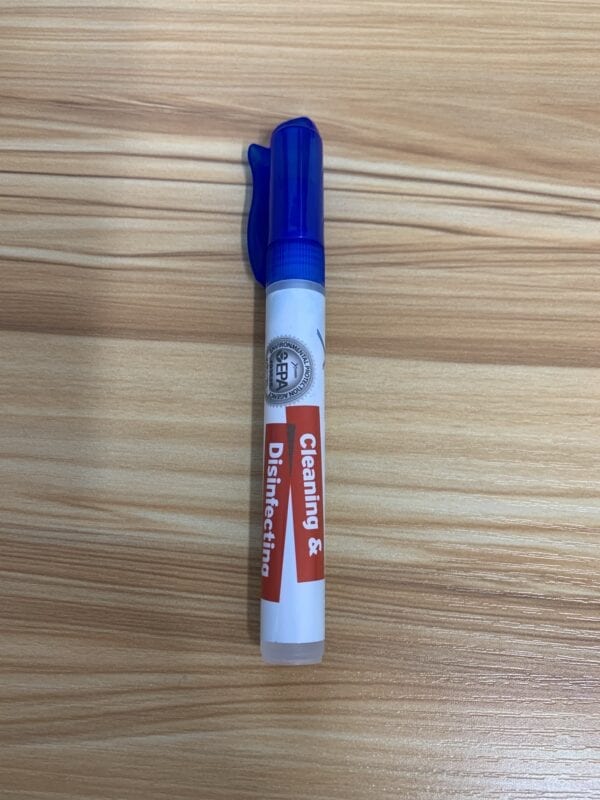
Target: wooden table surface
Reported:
point(463, 228)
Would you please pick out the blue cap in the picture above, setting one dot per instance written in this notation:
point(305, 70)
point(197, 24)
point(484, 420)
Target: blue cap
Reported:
point(285, 224)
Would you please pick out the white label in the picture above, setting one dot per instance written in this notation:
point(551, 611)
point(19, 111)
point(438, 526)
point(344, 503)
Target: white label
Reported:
point(293, 588)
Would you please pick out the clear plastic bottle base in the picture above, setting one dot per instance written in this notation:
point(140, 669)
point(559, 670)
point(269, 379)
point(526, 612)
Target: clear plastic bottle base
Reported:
point(292, 654)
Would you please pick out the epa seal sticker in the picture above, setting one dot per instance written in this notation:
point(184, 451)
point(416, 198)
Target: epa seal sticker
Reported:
point(289, 370)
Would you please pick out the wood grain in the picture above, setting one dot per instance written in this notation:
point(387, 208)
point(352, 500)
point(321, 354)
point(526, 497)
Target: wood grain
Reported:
point(463, 231)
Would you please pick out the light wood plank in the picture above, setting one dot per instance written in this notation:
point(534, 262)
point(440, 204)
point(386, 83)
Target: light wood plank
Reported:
point(463, 233)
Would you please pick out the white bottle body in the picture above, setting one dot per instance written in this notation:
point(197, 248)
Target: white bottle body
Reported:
point(292, 563)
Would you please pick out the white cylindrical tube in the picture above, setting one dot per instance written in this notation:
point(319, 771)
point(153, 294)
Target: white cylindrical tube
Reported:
point(293, 543)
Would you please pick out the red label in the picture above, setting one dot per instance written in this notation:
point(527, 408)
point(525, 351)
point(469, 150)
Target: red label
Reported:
point(307, 492)
point(276, 486)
